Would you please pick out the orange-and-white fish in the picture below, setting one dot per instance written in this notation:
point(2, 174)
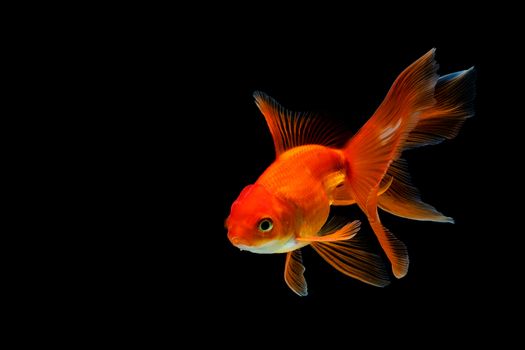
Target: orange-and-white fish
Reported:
point(288, 207)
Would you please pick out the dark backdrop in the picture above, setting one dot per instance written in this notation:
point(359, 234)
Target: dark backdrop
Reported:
point(191, 137)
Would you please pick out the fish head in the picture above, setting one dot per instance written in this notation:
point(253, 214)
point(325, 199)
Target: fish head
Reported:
point(260, 221)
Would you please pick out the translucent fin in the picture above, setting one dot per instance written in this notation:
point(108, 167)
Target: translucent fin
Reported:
point(394, 249)
point(403, 199)
point(292, 129)
point(454, 94)
point(294, 273)
point(334, 181)
point(334, 233)
point(385, 184)
point(379, 142)
point(341, 195)
point(352, 259)
point(337, 190)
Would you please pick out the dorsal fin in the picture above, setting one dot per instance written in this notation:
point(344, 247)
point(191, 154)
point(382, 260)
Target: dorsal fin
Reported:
point(291, 129)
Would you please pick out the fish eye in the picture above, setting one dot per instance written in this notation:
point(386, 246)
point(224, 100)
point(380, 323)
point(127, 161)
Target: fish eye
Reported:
point(265, 225)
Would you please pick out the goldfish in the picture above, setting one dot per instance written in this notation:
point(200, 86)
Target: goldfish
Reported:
point(288, 206)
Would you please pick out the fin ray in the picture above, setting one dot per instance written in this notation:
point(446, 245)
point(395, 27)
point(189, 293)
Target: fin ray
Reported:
point(454, 94)
point(291, 129)
point(380, 141)
point(294, 273)
point(403, 199)
point(394, 249)
point(353, 259)
point(334, 232)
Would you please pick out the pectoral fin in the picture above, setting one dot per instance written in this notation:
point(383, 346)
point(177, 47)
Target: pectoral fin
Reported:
point(333, 232)
point(338, 191)
point(342, 196)
point(294, 273)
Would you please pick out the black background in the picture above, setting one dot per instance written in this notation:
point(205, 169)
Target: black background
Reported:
point(186, 137)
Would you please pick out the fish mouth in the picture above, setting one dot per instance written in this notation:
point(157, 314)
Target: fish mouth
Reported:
point(240, 243)
point(255, 247)
point(263, 248)
point(243, 247)
point(236, 240)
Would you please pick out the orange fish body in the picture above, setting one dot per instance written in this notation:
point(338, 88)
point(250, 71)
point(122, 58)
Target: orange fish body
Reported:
point(297, 182)
point(288, 206)
point(300, 175)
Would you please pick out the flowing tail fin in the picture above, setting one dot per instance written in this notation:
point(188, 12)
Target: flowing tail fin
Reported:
point(403, 199)
point(454, 95)
point(381, 140)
